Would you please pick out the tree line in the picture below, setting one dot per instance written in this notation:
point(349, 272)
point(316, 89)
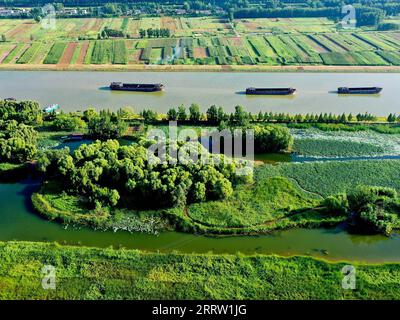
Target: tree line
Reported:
point(215, 115)
point(155, 33)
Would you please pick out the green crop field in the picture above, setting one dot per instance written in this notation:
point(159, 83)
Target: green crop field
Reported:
point(205, 40)
point(102, 52)
point(120, 53)
point(55, 53)
point(28, 55)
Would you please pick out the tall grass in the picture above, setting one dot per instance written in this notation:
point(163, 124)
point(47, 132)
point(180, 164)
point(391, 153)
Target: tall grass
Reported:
point(93, 273)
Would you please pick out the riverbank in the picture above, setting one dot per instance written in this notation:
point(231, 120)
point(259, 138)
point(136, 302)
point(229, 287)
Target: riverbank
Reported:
point(199, 68)
point(90, 273)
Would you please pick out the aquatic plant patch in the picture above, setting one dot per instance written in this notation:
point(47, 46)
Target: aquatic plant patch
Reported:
point(316, 143)
point(333, 177)
point(335, 148)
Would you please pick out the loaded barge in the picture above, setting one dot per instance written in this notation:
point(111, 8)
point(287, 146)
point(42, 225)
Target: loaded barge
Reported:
point(271, 91)
point(141, 87)
point(359, 90)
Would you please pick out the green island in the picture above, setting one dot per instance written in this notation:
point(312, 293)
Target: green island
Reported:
point(93, 170)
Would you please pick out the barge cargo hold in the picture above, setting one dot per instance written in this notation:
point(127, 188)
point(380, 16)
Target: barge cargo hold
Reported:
point(271, 91)
point(359, 90)
point(141, 87)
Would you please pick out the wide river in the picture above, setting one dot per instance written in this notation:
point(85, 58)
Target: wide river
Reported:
point(79, 90)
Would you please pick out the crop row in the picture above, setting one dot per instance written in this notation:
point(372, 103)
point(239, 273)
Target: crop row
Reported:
point(375, 41)
point(364, 48)
point(391, 57)
point(102, 52)
point(353, 58)
point(27, 56)
point(55, 53)
point(120, 54)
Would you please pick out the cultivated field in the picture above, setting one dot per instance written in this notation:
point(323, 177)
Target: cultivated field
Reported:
point(196, 41)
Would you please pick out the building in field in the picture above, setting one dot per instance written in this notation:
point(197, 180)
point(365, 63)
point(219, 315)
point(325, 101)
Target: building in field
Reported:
point(12, 12)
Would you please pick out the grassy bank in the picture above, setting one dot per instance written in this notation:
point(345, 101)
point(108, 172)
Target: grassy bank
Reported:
point(89, 273)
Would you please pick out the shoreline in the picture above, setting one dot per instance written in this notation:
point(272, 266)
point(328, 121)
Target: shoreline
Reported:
point(200, 68)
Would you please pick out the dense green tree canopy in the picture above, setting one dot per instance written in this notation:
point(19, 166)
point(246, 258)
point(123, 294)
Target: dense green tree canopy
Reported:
point(110, 174)
point(106, 125)
point(17, 142)
point(272, 139)
point(27, 112)
point(375, 209)
point(370, 209)
point(68, 122)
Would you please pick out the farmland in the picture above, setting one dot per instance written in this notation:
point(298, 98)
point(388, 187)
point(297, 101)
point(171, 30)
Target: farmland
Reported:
point(196, 41)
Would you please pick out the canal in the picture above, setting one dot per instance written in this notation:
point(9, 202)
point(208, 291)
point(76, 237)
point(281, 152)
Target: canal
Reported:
point(315, 91)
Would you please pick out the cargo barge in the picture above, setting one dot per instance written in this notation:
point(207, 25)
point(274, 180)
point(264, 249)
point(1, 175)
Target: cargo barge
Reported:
point(271, 91)
point(359, 90)
point(141, 87)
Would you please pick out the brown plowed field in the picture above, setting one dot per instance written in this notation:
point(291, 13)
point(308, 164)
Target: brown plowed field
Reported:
point(68, 53)
point(82, 54)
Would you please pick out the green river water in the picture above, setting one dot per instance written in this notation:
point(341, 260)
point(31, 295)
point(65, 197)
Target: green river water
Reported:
point(19, 222)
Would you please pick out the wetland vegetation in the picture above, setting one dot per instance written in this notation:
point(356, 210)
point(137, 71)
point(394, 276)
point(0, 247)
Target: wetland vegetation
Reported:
point(331, 177)
point(109, 183)
point(131, 274)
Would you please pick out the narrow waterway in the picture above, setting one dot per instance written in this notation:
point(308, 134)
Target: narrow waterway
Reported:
point(19, 222)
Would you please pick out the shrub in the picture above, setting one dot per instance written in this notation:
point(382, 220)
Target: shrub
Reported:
point(68, 122)
point(374, 209)
point(272, 139)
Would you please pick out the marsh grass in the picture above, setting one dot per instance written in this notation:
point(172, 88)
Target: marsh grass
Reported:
point(94, 273)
